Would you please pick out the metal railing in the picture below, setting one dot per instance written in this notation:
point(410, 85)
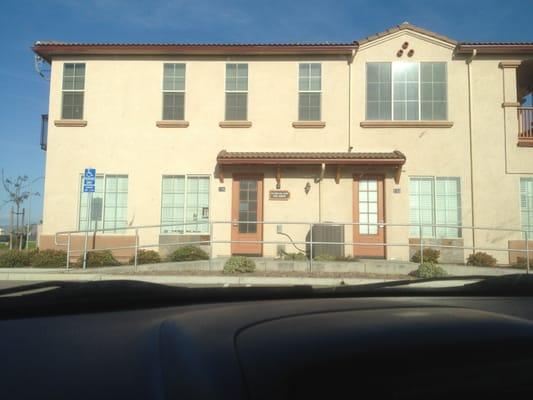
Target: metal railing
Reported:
point(309, 243)
point(525, 123)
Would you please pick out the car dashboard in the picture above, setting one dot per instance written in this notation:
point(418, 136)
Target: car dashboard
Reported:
point(398, 347)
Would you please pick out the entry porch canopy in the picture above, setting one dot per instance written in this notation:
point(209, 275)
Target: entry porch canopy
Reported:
point(394, 159)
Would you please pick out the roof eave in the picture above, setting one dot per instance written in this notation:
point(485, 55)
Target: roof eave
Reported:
point(47, 52)
point(495, 49)
point(310, 161)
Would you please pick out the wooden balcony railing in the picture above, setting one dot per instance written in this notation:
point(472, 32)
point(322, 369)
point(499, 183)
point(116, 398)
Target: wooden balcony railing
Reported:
point(525, 126)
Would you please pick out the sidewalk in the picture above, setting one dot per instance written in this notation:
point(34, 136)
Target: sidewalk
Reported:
point(186, 280)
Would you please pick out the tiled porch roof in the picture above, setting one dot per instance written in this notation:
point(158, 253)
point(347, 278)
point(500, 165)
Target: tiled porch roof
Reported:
point(356, 158)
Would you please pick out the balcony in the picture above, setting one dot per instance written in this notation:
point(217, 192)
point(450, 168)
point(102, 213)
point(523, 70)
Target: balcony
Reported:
point(525, 126)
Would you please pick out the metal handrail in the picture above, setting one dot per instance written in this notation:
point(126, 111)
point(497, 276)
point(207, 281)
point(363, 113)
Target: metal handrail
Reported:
point(381, 225)
point(310, 242)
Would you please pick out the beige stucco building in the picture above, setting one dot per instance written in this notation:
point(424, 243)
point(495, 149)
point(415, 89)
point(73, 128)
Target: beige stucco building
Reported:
point(403, 127)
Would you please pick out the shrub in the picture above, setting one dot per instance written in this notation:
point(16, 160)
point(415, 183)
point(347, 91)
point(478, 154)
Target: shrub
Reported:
point(15, 258)
point(189, 253)
point(102, 258)
point(430, 255)
point(324, 257)
point(329, 257)
point(146, 257)
point(346, 258)
point(428, 270)
point(481, 259)
point(521, 263)
point(49, 258)
point(239, 264)
point(295, 256)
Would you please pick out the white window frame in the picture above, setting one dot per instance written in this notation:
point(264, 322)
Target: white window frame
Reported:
point(434, 229)
point(163, 90)
point(80, 193)
point(237, 91)
point(526, 225)
point(394, 65)
point(185, 194)
point(310, 91)
point(63, 90)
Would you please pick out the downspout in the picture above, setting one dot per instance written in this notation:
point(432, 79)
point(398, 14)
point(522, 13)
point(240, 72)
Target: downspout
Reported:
point(470, 134)
point(319, 181)
point(350, 61)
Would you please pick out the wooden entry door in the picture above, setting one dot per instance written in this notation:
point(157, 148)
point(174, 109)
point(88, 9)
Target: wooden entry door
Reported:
point(247, 205)
point(369, 212)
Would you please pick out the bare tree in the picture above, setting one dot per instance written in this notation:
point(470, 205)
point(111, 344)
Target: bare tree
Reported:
point(17, 193)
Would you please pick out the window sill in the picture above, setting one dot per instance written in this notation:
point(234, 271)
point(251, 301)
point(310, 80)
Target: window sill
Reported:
point(172, 124)
point(510, 104)
point(235, 124)
point(70, 122)
point(308, 124)
point(406, 124)
point(525, 142)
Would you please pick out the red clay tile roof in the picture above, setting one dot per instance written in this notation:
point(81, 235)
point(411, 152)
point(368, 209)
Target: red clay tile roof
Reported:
point(394, 157)
point(48, 49)
point(403, 26)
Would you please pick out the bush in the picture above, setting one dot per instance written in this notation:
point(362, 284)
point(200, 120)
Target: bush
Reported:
point(49, 258)
point(481, 259)
point(239, 264)
point(15, 258)
point(189, 253)
point(324, 257)
point(295, 256)
point(102, 258)
point(430, 255)
point(346, 258)
point(146, 257)
point(428, 270)
point(329, 257)
point(521, 263)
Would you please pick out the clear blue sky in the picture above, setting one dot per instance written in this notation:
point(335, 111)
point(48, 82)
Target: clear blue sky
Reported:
point(24, 95)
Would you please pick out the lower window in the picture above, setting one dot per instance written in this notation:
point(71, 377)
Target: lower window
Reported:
point(526, 206)
point(109, 206)
point(185, 204)
point(435, 201)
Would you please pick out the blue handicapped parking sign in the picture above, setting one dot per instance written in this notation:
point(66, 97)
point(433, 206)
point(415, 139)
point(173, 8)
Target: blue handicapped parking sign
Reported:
point(89, 180)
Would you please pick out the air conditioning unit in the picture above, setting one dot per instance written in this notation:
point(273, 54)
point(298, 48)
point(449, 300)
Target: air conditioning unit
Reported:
point(329, 233)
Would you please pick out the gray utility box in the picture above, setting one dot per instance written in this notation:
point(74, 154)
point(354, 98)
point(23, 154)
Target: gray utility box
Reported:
point(330, 233)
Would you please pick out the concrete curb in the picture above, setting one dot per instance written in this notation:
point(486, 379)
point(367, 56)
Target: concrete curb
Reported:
point(190, 279)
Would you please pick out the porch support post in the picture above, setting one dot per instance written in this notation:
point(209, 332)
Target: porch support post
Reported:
point(510, 101)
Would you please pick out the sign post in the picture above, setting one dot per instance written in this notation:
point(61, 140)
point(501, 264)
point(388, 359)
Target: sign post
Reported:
point(89, 184)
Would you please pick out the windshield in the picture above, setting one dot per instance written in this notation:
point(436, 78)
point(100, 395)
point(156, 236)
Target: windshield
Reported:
point(405, 154)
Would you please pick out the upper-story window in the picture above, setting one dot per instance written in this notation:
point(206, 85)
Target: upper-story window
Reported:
point(309, 92)
point(236, 92)
point(73, 90)
point(173, 91)
point(406, 91)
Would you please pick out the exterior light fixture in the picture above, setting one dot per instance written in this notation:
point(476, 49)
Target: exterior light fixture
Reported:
point(307, 187)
